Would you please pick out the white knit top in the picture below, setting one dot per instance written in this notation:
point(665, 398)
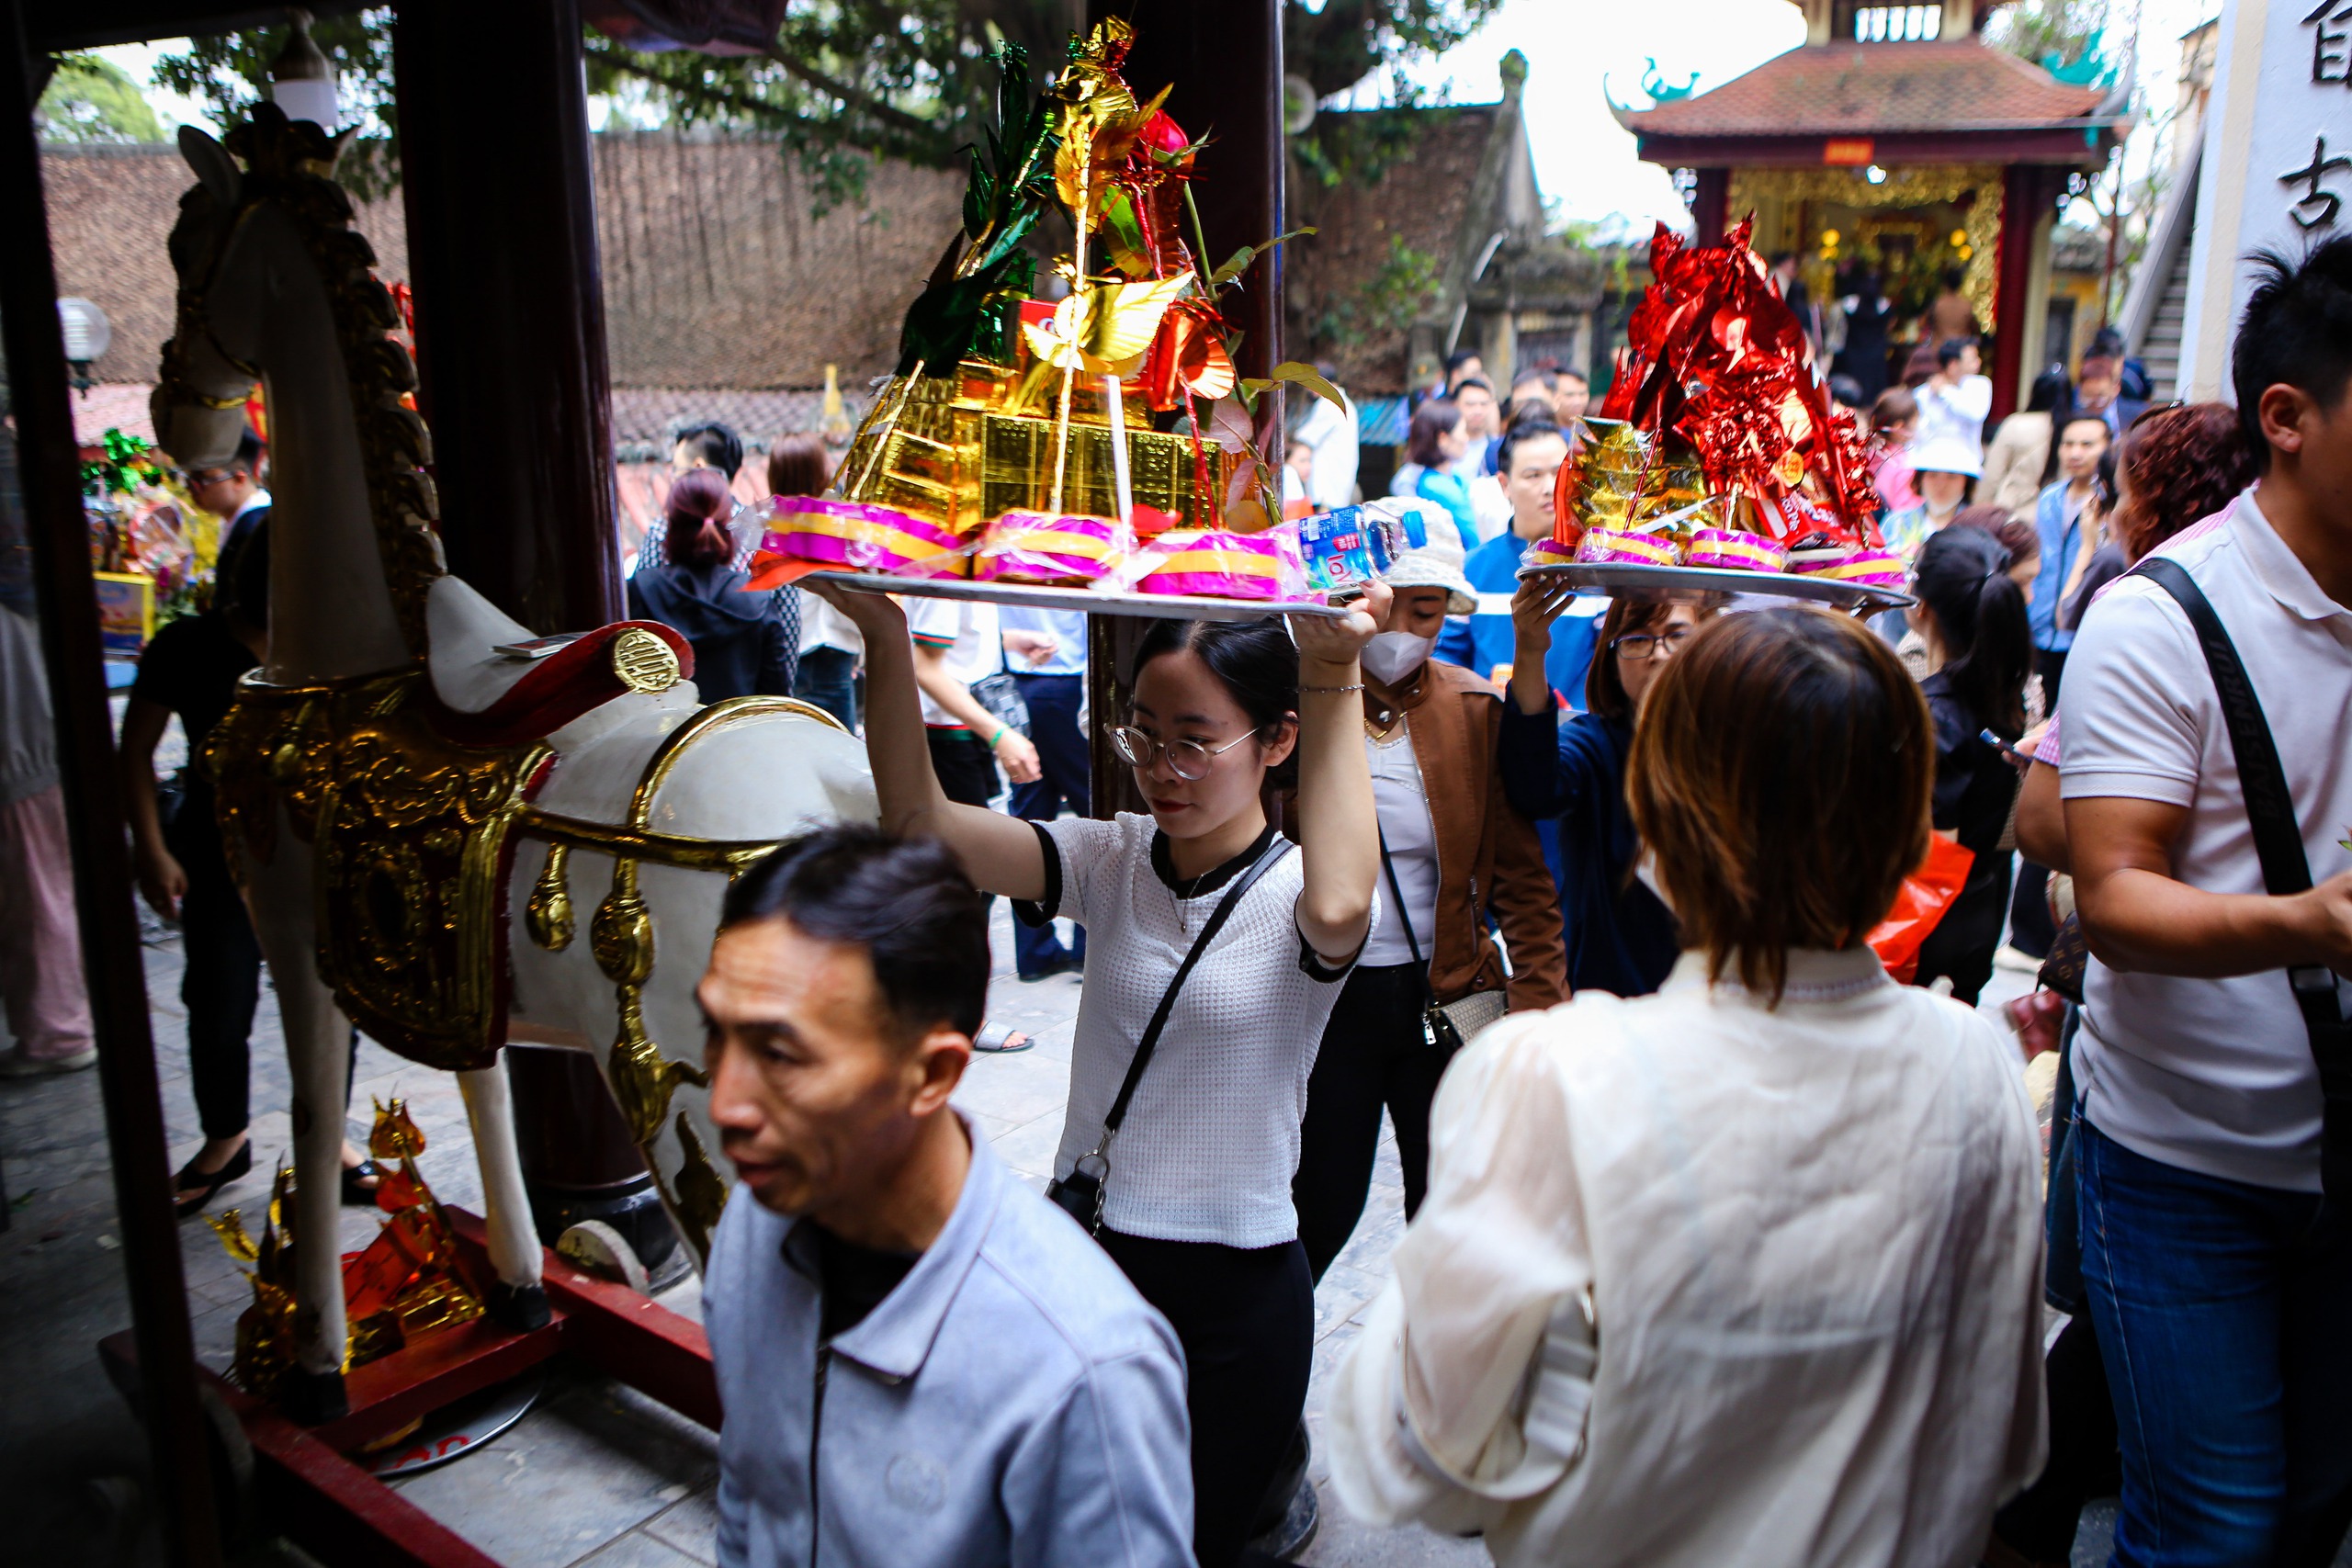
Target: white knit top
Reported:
point(1211, 1138)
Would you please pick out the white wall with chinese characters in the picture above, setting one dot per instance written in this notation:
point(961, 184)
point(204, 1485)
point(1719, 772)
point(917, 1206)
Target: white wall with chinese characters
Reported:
point(2277, 171)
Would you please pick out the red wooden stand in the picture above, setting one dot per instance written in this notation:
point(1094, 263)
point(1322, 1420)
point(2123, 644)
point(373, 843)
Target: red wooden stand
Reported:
point(308, 1492)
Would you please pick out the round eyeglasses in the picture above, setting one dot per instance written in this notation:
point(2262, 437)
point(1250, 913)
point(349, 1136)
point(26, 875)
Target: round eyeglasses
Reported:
point(1188, 760)
point(1645, 645)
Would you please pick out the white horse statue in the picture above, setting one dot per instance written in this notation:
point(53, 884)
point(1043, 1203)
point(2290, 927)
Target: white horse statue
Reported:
point(414, 815)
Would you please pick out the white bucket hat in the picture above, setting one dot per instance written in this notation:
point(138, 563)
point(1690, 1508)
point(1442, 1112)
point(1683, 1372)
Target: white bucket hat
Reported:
point(1947, 455)
point(1437, 564)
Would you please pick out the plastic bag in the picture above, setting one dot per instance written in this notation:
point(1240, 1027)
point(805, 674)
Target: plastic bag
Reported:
point(1919, 908)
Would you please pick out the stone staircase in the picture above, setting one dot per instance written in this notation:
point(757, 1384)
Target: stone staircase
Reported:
point(2161, 351)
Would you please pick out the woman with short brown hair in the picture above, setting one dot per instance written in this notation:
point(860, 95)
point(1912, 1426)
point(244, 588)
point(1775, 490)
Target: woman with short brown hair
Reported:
point(1746, 1271)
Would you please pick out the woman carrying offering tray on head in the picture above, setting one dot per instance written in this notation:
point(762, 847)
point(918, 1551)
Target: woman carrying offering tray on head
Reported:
point(1186, 1160)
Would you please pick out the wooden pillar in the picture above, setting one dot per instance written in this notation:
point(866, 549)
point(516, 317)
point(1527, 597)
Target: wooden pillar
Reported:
point(498, 178)
point(510, 311)
point(1711, 206)
point(2026, 190)
point(181, 1448)
point(1224, 59)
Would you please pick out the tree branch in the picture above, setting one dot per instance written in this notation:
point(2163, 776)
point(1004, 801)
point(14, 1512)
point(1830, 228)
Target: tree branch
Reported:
point(747, 104)
point(896, 117)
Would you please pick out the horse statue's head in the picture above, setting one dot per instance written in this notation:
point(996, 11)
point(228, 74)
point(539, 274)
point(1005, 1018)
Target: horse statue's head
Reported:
point(276, 284)
point(219, 341)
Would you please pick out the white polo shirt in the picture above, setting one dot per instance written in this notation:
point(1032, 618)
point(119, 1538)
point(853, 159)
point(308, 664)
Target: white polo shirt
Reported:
point(2212, 1075)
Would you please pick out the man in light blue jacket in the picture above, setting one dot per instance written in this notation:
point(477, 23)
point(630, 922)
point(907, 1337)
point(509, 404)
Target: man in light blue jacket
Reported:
point(923, 1363)
point(2058, 518)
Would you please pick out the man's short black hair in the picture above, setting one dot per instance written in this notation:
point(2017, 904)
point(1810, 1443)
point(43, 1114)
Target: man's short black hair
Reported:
point(906, 901)
point(2297, 332)
point(716, 444)
point(1478, 381)
point(1460, 357)
point(1522, 430)
point(1949, 351)
point(1570, 373)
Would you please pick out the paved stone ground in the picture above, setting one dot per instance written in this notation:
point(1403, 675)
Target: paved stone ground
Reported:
point(595, 1476)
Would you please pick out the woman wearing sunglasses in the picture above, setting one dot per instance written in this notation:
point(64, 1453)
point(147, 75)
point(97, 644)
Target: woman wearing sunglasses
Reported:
point(1620, 938)
point(1195, 1182)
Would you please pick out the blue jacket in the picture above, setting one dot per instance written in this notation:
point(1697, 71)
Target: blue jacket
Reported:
point(1621, 938)
point(1481, 641)
point(1453, 493)
point(2060, 542)
point(1011, 1401)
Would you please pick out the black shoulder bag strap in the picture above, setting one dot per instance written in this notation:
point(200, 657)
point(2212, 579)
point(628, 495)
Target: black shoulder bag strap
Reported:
point(1081, 1192)
point(1438, 1032)
point(2285, 870)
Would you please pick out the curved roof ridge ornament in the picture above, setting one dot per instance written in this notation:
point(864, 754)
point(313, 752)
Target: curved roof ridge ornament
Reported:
point(1655, 85)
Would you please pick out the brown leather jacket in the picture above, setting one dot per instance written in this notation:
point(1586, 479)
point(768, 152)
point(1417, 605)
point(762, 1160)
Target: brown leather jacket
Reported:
point(1486, 853)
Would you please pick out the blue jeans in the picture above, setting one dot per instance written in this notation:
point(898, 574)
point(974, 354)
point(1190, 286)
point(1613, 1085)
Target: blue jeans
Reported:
point(2226, 1327)
point(824, 679)
point(1066, 773)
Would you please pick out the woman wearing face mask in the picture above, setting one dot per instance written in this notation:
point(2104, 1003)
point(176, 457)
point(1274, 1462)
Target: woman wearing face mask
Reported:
point(1620, 938)
point(1196, 1204)
point(1455, 852)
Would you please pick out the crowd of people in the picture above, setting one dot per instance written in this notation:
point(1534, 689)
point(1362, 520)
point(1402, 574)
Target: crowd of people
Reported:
point(1723, 1245)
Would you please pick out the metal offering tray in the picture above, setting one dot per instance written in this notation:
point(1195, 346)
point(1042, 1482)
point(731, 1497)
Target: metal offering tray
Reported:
point(1165, 607)
point(1624, 580)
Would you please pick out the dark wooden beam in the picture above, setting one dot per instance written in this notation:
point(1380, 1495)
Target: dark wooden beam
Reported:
point(1711, 206)
point(1224, 61)
point(62, 24)
point(2028, 191)
point(2072, 146)
point(510, 309)
point(112, 961)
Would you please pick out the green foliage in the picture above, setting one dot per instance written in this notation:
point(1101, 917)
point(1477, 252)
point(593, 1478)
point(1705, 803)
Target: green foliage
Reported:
point(1356, 148)
point(90, 99)
point(2039, 31)
point(229, 71)
point(1010, 188)
point(846, 83)
point(1346, 40)
point(1385, 304)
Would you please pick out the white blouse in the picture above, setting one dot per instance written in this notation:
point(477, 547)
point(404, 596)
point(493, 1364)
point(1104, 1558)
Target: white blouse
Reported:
point(1699, 1281)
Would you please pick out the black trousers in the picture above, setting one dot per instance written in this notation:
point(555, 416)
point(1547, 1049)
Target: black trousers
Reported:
point(966, 768)
point(1065, 776)
point(1964, 940)
point(1372, 1055)
point(2040, 1521)
point(1246, 1318)
point(219, 988)
point(220, 984)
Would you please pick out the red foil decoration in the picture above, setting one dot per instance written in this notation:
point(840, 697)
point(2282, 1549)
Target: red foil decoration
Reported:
point(1715, 361)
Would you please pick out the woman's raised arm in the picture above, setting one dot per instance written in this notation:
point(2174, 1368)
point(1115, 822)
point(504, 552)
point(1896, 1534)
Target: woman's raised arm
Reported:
point(1339, 828)
point(1000, 853)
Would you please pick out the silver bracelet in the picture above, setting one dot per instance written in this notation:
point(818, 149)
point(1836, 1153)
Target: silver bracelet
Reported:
point(1335, 690)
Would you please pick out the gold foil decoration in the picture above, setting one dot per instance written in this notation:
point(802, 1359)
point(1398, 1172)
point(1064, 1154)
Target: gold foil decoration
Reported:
point(406, 1283)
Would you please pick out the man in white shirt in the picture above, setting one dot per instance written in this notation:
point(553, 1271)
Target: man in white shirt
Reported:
point(1955, 401)
point(1329, 431)
point(1475, 397)
point(231, 491)
point(956, 643)
point(2219, 1283)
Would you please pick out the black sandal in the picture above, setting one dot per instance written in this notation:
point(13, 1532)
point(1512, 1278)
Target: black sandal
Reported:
point(355, 1196)
point(193, 1188)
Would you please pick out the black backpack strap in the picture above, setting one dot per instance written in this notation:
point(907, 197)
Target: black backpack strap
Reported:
point(2286, 869)
point(1225, 907)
